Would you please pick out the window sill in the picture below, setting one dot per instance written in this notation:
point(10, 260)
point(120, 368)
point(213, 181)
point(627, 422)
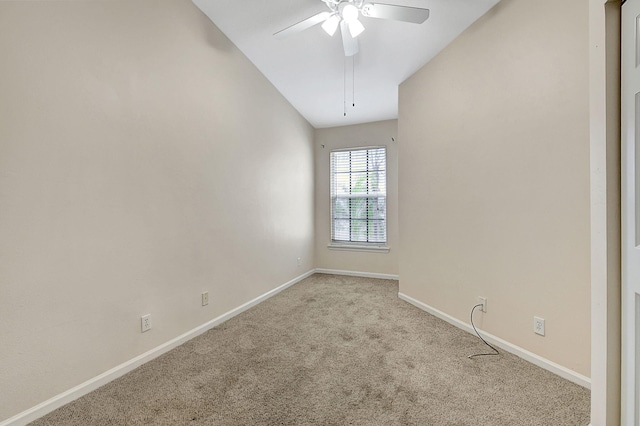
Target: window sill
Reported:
point(356, 247)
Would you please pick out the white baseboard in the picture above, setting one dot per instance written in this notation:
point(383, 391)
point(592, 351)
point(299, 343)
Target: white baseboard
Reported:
point(90, 385)
point(551, 366)
point(355, 274)
point(82, 389)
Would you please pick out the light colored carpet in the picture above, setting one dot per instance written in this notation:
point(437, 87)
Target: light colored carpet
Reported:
point(332, 350)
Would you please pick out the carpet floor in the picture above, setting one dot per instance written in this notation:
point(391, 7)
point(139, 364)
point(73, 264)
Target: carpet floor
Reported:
point(332, 350)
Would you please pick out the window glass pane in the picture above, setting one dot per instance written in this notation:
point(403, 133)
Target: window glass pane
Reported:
point(377, 231)
point(341, 162)
point(359, 231)
point(359, 183)
point(377, 181)
point(358, 208)
point(377, 208)
point(359, 161)
point(342, 184)
point(376, 159)
point(341, 208)
point(341, 230)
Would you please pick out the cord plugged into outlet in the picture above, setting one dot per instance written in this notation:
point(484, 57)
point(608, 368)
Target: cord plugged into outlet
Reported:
point(495, 351)
point(483, 302)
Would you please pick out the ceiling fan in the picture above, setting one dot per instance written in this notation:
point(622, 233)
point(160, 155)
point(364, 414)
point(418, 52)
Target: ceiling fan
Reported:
point(344, 14)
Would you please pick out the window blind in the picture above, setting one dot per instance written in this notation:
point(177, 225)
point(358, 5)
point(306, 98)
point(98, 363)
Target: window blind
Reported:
point(359, 195)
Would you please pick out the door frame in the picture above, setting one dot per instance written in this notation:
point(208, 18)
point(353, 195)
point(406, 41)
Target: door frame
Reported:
point(604, 122)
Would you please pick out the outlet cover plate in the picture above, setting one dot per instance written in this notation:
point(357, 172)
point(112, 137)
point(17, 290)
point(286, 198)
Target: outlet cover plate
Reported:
point(205, 298)
point(145, 322)
point(483, 300)
point(538, 325)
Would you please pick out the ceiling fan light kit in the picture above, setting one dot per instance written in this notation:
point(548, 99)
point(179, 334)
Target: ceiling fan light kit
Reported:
point(345, 13)
point(331, 24)
point(355, 28)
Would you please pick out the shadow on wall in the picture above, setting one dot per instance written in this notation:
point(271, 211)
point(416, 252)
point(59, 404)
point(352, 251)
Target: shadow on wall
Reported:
point(212, 34)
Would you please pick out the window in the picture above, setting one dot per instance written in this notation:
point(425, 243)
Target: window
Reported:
point(359, 196)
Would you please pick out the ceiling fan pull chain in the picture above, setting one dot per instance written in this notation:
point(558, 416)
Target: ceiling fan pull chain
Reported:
point(353, 80)
point(344, 87)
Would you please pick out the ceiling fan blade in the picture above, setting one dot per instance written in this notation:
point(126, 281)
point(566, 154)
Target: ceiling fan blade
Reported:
point(397, 13)
point(349, 43)
point(302, 25)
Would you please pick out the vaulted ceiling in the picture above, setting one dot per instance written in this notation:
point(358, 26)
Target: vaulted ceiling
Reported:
point(310, 68)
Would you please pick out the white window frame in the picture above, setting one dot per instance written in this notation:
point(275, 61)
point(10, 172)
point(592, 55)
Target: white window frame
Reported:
point(357, 245)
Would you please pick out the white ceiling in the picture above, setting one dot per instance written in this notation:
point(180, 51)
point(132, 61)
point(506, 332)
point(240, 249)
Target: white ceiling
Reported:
point(309, 68)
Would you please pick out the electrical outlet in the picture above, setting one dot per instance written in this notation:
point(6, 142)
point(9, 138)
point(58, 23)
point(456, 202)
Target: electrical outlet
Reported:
point(205, 298)
point(299, 261)
point(483, 301)
point(538, 325)
point(145, 322)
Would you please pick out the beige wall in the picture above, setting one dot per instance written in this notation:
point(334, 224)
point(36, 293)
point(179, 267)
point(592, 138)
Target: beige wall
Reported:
point(379, 133)
point(494, 178)
point(143, 160)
